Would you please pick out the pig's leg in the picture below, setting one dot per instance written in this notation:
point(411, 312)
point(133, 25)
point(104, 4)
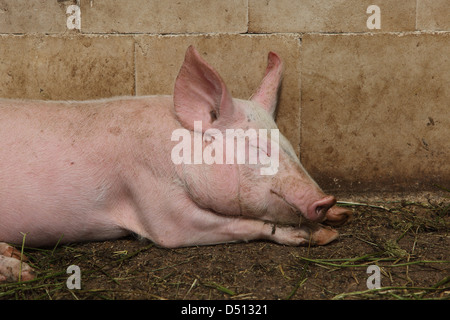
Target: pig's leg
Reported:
point(10, 265)
point(250, 229)
point(203, 227)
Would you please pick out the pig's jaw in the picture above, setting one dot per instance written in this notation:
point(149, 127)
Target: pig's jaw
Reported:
point(294, 209)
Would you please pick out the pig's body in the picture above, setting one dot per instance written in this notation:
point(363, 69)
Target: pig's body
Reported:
point(83, 170)
point(95, 170)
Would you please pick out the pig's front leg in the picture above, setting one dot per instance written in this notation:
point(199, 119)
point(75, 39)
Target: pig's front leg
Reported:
point(204, 227)
point(303, 235)
point(250, 229)
point(11, 265)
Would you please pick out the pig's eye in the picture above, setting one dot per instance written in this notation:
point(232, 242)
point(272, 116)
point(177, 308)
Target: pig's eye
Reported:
point(253, 143)
point(261, 147)
point(264, 146)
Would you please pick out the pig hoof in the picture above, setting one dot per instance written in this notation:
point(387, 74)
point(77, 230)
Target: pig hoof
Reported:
point(305, 235)
point(9, 251)
point(324, 236)
point(11, 266)
point(337, 216)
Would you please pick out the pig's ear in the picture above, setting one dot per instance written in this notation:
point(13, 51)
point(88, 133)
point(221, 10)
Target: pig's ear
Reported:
point(267, 93)
point(200, 94)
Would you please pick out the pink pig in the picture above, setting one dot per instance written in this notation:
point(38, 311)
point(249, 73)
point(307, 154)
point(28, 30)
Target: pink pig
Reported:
point(97, 170)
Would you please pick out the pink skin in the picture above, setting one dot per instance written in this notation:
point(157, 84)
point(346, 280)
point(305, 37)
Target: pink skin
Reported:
point(97, 170)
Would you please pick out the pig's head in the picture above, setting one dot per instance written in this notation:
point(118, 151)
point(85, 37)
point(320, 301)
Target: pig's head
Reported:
point(283, 195)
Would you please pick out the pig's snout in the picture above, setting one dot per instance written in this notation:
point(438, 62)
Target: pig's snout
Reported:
point(318, 210)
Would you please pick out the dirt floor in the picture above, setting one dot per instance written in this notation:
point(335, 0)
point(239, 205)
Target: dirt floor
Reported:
point(406, 235)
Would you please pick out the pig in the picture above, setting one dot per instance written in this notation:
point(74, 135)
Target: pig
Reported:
point(73, 171)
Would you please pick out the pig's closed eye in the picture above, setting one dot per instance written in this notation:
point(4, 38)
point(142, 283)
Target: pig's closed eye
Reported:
point(264, 150)
point(254, 144)
point(264, 147)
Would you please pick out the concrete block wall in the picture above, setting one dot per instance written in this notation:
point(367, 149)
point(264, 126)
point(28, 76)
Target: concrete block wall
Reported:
point(366, 109)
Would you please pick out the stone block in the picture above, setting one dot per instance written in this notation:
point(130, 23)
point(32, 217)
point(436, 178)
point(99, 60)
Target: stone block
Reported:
point(72, 67)
point(329, 16)
point(375, 110)
point(169, 16)
point(37, 16)
point(433, 15)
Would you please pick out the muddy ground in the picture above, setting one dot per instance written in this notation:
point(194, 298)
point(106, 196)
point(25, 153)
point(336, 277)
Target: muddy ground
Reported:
point(406, 235)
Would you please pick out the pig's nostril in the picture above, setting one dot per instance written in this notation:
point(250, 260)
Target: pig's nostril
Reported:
point(320, 210)
point(321, 207)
